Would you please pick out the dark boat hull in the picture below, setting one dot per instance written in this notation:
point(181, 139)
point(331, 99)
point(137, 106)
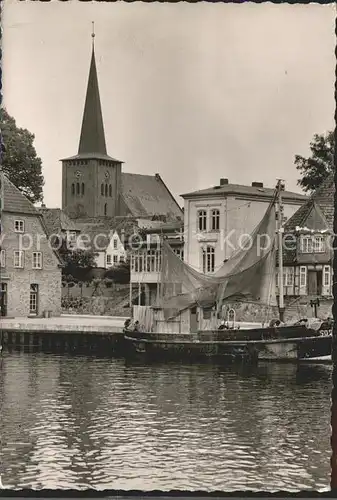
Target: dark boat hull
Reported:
point(311, 345)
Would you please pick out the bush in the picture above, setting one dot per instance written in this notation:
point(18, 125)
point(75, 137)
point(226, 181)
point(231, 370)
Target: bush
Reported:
point(120, 273)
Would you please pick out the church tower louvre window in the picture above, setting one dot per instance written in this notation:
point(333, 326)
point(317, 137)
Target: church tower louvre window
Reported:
point(100, 174)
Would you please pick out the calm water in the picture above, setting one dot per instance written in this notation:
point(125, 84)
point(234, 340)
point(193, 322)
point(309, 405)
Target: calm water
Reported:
point(76, 422)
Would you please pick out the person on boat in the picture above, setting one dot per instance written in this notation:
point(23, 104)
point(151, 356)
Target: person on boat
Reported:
point(275, 323)
point(127, 324)
point(302, 322)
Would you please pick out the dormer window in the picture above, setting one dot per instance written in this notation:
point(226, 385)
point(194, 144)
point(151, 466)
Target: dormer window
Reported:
point(319, 244)
point(19, 226)
point(312, 244)
point(306, 244)
point(115, 244)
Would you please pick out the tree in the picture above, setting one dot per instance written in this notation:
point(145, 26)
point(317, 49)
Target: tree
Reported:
point(320, 164)
point(119, 273)
point(77, 263)
point(19, 160)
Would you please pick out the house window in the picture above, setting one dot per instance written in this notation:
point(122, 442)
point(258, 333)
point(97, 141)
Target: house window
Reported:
point(77, 188)
point(19, 226)
point(73, 189)
point(71, 237)
point(215, 220)
point(102, 189)
point(303, 276)
point(288, 276)
point(115, 244)
point(326, 276)
point(319, 244)
point(202, 220)
point(108, 260)
point(19, 258)
point(106, 190)
point(33, 299)
point(115, 259)
point(110, 190)
point(3, 258)
point(105, 208)
point(208, 260)
point(82, 188)
point(306, 244)
point(3, 299)
point(37, 260)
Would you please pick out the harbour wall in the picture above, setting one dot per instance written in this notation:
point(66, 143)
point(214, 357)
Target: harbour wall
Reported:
point(76, 334)
point(294, 310)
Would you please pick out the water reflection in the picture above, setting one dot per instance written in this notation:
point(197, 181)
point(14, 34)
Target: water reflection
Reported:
point(72, 422)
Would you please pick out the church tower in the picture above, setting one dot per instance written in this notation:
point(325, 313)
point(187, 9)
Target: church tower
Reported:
point(91, 180)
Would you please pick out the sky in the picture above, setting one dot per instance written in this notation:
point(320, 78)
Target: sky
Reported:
point(194, 92)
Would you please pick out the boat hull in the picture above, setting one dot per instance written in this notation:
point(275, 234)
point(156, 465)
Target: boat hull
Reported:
point(190, 347)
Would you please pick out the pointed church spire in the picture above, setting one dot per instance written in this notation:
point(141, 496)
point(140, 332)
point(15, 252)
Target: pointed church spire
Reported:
point(92, 138)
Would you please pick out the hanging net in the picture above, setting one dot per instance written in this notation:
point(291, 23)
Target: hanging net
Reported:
point(248, 275)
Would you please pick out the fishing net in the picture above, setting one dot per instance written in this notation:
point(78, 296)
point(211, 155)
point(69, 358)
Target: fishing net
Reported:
point(249, 274)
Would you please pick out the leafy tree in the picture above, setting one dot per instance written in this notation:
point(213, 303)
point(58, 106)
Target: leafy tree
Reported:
point(119, 273)
point(77, 263)
point(320, 164)
point(19, 160)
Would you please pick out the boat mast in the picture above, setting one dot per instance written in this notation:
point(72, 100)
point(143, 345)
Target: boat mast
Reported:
point(280, 188)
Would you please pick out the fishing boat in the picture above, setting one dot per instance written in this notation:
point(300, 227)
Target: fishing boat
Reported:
point(195, 313)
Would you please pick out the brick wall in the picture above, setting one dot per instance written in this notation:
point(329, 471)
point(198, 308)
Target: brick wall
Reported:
point(18, 281)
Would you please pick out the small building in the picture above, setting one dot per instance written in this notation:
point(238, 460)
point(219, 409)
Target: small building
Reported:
point(60, 227)
point(146, 260)
point(30, 277)
point(308, 246)
point(109, 238)
point(217, 219)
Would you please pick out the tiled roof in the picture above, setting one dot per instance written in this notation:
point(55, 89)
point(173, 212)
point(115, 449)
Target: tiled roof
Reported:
point(15, 201)
point(323, 198)
point(104, 228)
point(244, 190)
point(56, 220)
point(147, 195)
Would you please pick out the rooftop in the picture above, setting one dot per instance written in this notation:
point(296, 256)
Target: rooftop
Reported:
point(147, 195)
point(103, 229)
point(15, 201)
point(256, 189)
point(56, 220)
point(320, 203)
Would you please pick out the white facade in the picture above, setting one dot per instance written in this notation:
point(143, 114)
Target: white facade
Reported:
point(113, 254)
point(215, 224)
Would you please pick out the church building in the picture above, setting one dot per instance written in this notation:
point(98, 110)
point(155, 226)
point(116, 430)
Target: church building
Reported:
point(93, 183)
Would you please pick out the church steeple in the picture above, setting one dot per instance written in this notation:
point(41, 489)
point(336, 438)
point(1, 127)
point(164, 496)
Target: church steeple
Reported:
point(92, 138)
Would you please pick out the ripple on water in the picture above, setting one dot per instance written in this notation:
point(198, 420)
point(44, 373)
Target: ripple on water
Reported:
point(101, 424)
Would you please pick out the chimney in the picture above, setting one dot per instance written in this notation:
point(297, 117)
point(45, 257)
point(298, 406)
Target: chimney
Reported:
point(223, 182)
point(257, 184)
